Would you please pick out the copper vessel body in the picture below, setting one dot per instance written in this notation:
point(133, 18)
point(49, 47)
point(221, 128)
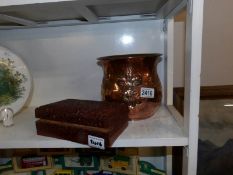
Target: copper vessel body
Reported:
point(132, 79)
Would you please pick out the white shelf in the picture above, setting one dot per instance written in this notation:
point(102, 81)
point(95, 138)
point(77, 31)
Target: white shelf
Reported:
point(159, 130)
point(27, 13)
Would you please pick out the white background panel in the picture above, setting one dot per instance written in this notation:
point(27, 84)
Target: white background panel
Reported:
point(63, 61)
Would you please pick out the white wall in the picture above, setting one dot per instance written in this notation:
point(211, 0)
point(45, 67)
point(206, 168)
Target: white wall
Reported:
point(217, 68)
point(63, 61)
point(217, 62)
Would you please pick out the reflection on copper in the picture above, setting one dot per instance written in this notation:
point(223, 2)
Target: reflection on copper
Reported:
point(116, 88)
point(124, 78)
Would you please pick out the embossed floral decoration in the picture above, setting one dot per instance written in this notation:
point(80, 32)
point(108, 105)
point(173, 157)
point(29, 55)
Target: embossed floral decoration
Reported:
point(11, 81)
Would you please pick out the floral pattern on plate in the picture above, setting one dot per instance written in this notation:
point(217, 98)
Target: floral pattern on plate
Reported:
point(11, 82)
point(15, 81)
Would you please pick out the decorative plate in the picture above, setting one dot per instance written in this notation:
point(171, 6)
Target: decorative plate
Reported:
point(15, 81)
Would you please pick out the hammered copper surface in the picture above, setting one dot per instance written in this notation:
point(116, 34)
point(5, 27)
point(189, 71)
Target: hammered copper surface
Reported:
point(125, 76)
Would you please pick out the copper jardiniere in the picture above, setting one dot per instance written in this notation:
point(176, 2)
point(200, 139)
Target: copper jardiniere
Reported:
point(132, 79)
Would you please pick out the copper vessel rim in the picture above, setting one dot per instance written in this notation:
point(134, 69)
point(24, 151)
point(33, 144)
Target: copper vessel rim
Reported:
point(128, 56)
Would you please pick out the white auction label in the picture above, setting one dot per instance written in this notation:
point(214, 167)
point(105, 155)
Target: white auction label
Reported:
point(147, 92)
point(96, 142)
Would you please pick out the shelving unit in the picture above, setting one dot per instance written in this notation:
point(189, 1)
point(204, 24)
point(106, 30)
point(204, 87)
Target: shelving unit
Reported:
point(26, 24)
